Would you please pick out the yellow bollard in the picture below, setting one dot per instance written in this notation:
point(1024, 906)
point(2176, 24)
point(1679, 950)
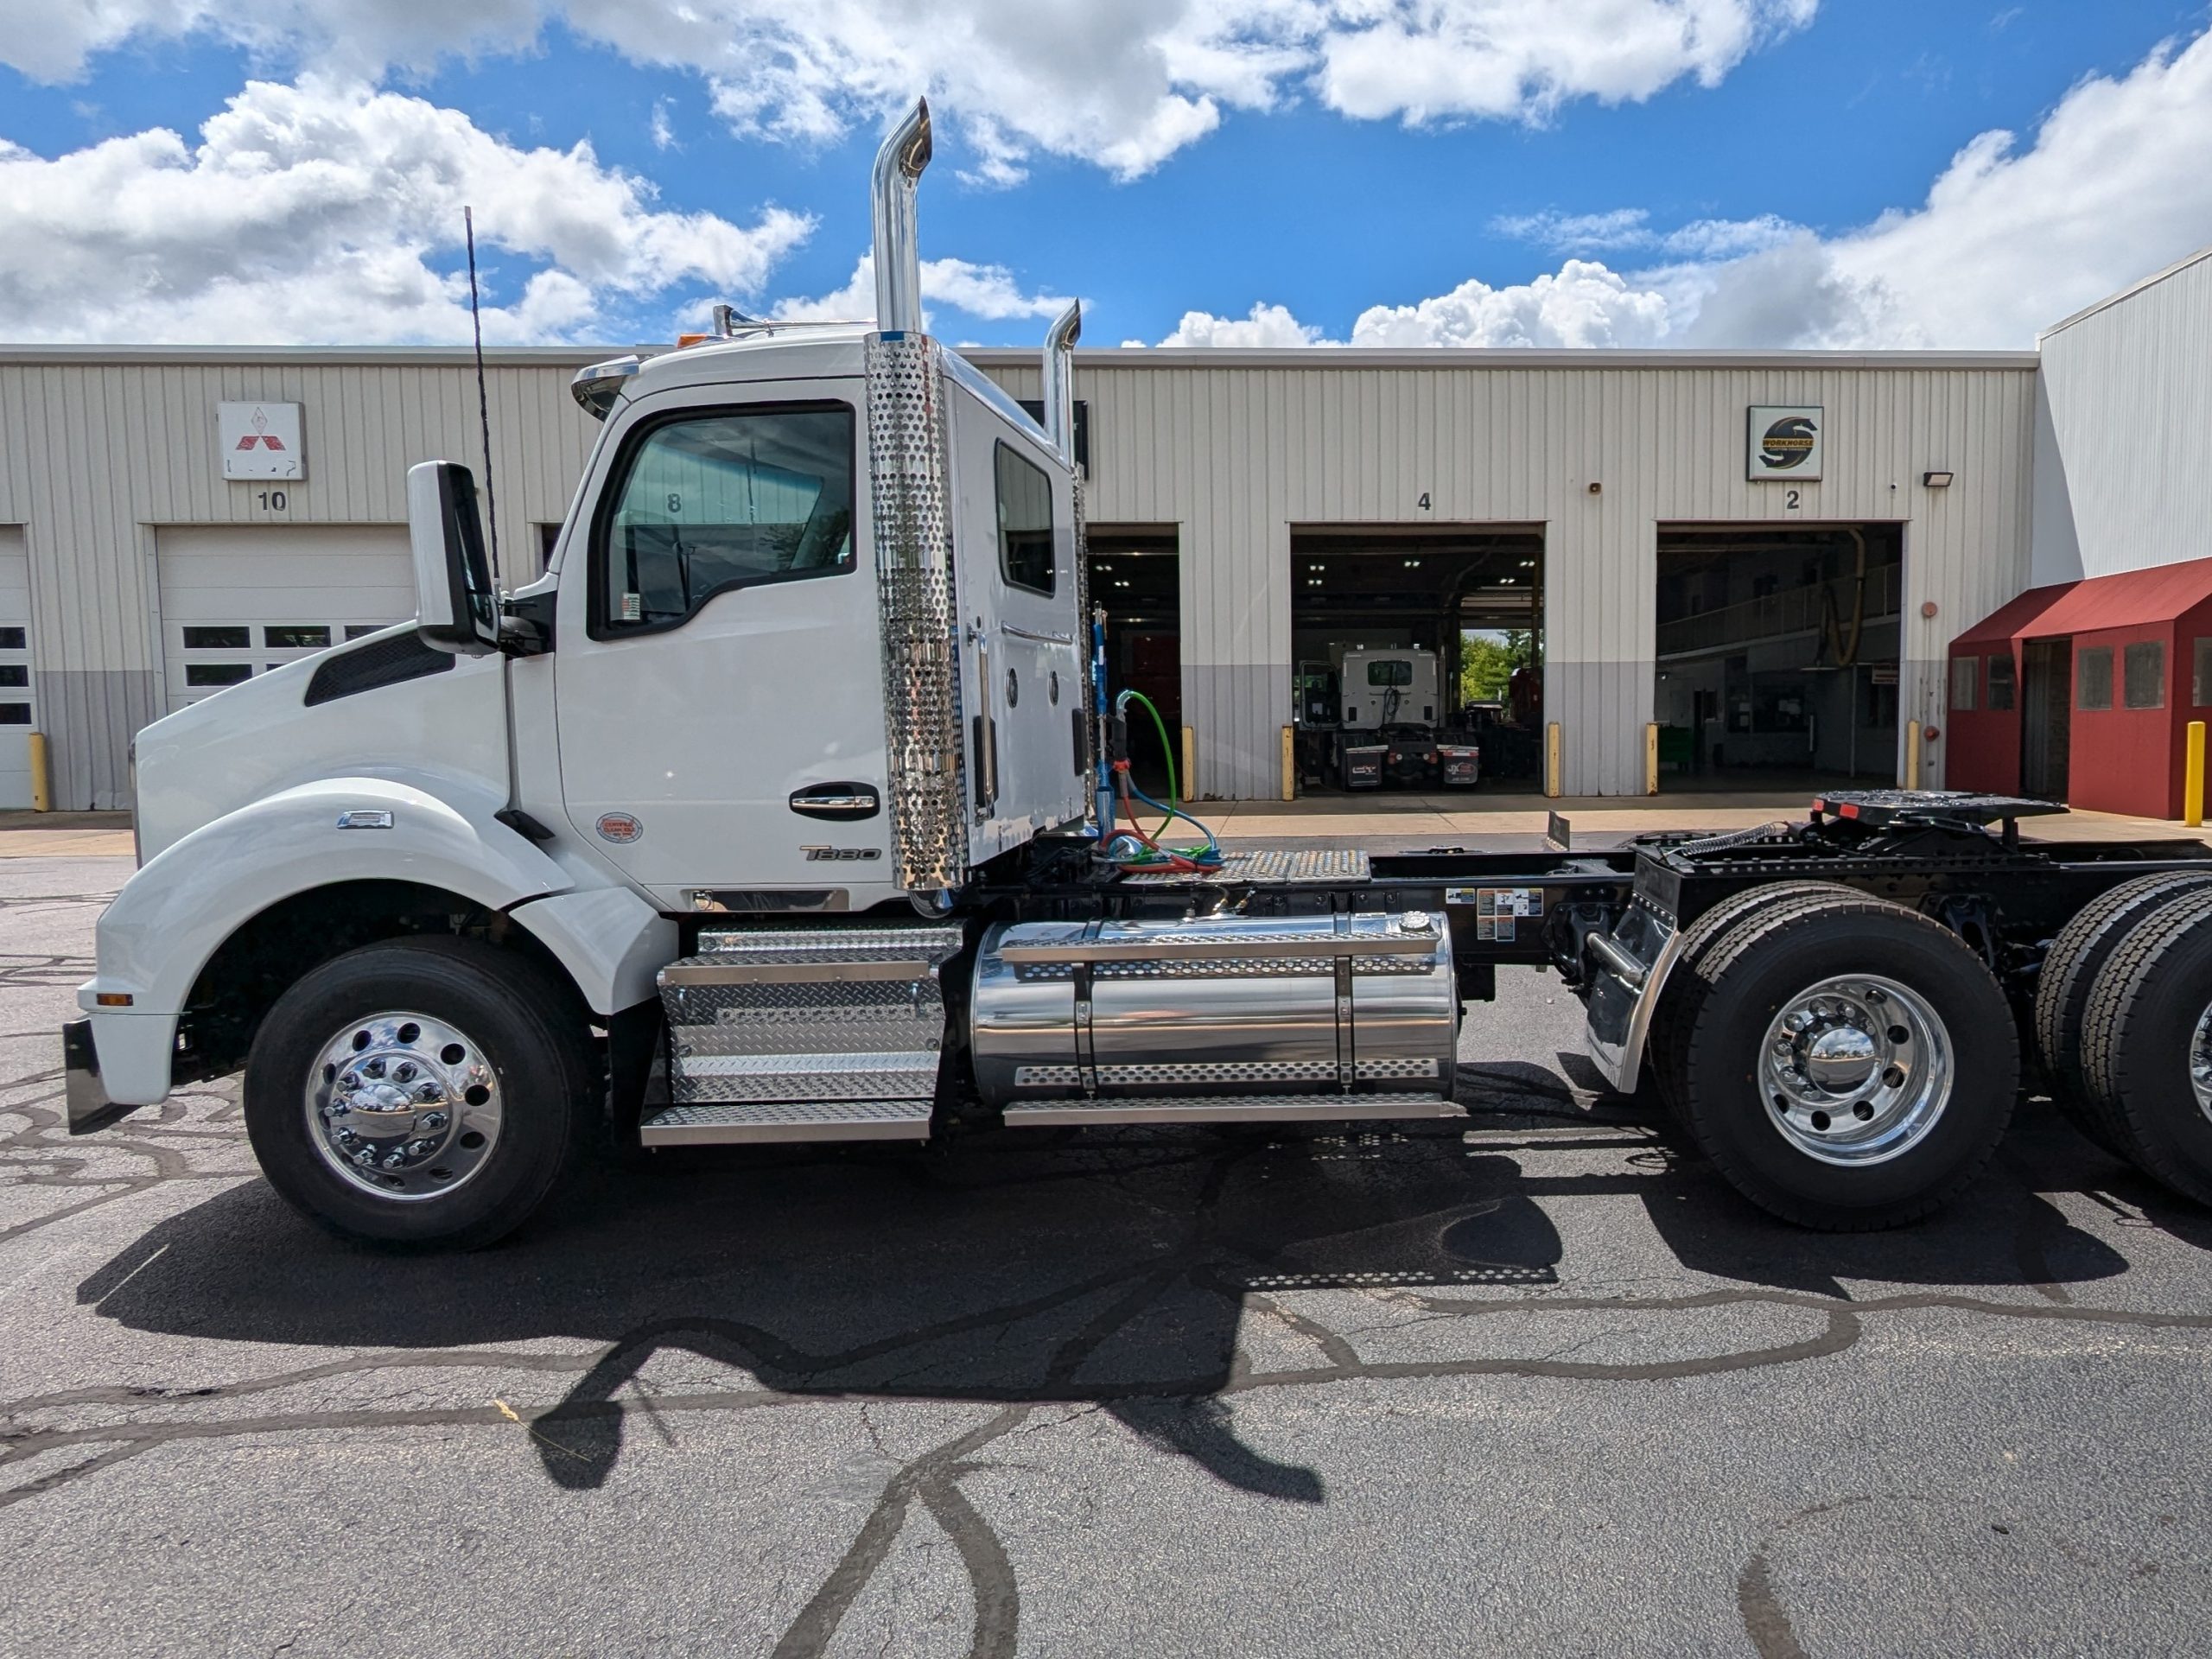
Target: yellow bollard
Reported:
point(1912, 754)
point(1190, 764)
point(2192, 788)
point(42, 775)
point(1651, 757)
point(1289, 764)
point(1553, 787)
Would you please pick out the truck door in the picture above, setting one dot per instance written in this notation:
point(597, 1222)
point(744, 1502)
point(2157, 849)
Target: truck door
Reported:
point(1024, 660)
point(718, 684)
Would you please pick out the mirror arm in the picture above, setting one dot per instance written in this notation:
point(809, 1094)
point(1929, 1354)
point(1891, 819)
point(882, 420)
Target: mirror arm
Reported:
point(526, 623)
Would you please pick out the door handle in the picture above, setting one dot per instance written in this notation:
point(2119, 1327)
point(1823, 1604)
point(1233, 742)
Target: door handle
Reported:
point(840, 802)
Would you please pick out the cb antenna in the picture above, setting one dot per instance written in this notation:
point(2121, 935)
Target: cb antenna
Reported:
point(483, 399)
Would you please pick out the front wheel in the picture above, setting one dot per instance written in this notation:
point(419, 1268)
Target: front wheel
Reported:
point(1853, 1064)
point(422, 1092)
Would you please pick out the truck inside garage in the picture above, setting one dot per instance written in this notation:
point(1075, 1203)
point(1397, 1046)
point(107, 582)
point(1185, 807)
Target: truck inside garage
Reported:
point(1472, 595)
point(1778, 655)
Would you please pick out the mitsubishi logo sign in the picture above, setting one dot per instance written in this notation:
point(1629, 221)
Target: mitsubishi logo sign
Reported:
point(260, 441)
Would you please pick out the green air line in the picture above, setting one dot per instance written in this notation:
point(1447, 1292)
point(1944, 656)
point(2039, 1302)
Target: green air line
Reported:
point(1167, 748)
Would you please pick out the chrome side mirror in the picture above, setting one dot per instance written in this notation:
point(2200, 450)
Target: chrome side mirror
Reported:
point(456, 608)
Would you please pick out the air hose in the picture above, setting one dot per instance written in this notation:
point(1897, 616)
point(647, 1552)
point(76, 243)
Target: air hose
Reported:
point(1133, 849)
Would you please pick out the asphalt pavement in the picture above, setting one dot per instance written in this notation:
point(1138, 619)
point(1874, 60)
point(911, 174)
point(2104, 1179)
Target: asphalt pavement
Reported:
point(1536, 1383)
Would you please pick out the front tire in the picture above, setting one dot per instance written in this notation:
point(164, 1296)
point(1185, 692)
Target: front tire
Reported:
point(420, 1093)
point(1853, 1064)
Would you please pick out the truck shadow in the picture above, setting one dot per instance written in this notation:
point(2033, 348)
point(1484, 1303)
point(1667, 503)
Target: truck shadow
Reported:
point(1122, 1271)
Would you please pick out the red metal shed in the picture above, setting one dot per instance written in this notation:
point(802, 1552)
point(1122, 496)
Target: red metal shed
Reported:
point(2109, 672)
point(1983, 732)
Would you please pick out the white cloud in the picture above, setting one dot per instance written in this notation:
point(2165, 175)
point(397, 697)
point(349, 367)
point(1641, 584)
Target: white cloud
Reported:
point(2116, 183)
point(1428, 59)
point(1125, 84)
point(1266, 325)
point(1584, 304)
point(662, 130)
point(1622, 227)
point(1631, 228)
point(325, 211)
point(986, 291)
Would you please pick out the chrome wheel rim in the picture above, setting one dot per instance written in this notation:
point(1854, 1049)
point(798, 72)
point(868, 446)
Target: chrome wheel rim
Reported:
point(1856, 1069)
point(2200, 1062)
point(403, 1106)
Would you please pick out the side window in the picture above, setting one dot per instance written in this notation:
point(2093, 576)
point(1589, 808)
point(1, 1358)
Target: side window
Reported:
point(2093, 677)
point(2143, 669)
point(710, 503)
point(1025, 495)
point(1966, 673)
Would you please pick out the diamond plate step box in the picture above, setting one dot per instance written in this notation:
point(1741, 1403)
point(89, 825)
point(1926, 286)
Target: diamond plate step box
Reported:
point(822, 1034)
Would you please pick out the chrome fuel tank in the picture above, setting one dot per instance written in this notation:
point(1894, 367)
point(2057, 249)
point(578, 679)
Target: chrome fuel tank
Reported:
point(1219, 1005)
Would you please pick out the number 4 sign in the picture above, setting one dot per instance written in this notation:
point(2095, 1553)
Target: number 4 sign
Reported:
point(260, 441)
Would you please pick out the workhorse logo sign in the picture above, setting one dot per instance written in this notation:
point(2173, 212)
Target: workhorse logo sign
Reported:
point(1785, 442)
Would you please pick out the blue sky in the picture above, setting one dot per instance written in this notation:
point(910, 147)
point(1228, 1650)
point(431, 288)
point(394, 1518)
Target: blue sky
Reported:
point(1557, 208)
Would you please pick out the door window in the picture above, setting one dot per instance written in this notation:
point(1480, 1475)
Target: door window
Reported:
point(1024, 497)
point(713, 502)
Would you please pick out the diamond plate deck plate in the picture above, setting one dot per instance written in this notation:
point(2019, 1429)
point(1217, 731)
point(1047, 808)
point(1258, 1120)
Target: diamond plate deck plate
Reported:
point(726, 1122)
point(811, 945)
point(1268, 867)
point(1231, 1109)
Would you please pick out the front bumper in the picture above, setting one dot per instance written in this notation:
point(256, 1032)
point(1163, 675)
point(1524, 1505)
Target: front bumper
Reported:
point(83, 1093)
point(114, 1062)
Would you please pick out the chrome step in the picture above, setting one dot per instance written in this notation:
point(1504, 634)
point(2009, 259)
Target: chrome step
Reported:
point(1231, 1109)
point(723, 1122)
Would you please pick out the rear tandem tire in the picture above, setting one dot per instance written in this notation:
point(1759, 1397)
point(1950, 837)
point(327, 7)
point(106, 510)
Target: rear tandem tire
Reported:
point(2069, 972)
point(466, 1052)
point(2147, 1029)
point(1886, 994)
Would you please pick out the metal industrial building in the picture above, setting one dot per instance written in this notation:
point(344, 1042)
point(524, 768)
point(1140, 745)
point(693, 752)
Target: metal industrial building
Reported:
point(1241, 505)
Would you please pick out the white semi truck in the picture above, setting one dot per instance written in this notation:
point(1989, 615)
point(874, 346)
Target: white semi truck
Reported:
point(787, 807)
point(1392, 705)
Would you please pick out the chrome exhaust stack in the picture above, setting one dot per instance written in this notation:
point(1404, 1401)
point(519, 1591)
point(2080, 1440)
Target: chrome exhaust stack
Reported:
point(1060, 380)
point(899, 166)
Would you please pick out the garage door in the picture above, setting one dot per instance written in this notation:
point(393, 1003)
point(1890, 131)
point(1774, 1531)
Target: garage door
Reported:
point(239, 602)
point(17, 716)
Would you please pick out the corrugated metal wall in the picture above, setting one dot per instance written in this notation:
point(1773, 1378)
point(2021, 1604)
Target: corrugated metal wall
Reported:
point(1237, 448)
point(1233, 448)
point(99, 449)
point(2123, 458)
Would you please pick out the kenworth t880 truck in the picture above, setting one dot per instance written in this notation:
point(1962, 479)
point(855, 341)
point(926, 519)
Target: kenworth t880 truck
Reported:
point(788, 806)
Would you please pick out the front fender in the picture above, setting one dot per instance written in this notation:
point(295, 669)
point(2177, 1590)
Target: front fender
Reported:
point(173, 914)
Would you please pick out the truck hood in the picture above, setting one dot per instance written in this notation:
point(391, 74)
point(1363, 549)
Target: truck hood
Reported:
point(386, 706)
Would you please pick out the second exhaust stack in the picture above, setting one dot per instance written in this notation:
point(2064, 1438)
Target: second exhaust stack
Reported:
point(899, 166)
